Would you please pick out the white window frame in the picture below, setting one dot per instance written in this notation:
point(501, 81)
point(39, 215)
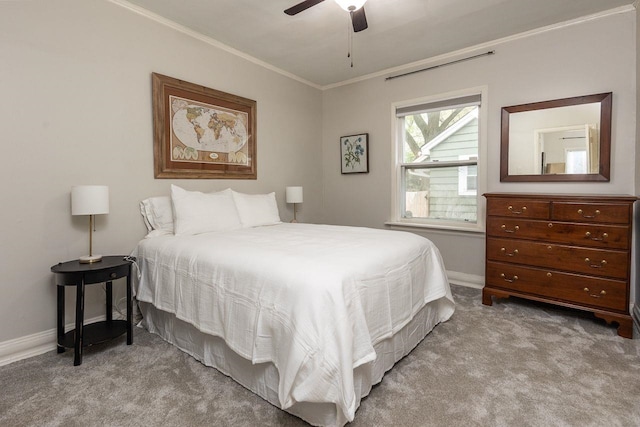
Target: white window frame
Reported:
point(397, 185)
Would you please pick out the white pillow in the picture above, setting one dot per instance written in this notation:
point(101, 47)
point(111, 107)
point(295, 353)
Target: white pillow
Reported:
point(157, 213)
point(195, 212)
point(257, 209)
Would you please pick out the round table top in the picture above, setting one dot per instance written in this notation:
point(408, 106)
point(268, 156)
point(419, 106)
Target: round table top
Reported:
point(107, 262)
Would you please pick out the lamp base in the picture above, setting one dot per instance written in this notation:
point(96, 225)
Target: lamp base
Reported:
point(90, 259)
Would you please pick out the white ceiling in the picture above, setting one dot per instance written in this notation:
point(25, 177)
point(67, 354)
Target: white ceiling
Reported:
point(313, 44)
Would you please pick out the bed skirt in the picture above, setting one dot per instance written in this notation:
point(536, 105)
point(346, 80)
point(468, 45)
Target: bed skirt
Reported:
point(262, 378)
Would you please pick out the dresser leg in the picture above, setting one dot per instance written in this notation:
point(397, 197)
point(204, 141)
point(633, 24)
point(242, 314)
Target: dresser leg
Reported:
point(625, 323)
point(486, 298)
point(625, 329)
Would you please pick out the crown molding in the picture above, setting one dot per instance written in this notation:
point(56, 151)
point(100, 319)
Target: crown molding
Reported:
point(449, 56)
point(209, 40)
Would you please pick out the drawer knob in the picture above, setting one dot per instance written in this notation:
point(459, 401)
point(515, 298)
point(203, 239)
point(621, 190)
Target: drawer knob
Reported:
point(504, 228)
point(550, 225)
point(504, 251)
point(602, 263)
point(113, 275)
point(596, 213)
point(549, 274)
point(513, 279)
point(521, 211)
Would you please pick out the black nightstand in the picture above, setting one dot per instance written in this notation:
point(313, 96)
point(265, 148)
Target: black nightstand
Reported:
point(73, 273)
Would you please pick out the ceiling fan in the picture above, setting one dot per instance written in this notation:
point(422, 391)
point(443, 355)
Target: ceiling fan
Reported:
point(354, 7)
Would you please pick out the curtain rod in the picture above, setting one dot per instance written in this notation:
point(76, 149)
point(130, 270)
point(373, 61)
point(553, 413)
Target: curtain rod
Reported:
point(491, 52)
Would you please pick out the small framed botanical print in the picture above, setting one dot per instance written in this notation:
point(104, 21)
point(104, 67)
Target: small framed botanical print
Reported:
point(354, 153)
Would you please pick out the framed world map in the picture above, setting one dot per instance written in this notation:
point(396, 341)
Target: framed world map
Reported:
point(200, 132)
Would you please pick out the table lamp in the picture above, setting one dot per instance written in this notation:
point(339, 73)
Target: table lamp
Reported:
point(294, 195)
point(90, 200)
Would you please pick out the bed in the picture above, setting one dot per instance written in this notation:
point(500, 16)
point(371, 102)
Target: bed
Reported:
point(309, 317)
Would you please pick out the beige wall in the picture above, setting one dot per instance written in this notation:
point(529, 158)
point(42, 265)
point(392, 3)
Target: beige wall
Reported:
point(590, 57)
point(75, 79)
point(76, 109)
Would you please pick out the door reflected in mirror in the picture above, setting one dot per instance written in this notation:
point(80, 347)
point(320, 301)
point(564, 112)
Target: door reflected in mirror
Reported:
point(561, 140)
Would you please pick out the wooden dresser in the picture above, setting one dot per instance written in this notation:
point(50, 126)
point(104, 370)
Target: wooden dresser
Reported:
point(569, 250)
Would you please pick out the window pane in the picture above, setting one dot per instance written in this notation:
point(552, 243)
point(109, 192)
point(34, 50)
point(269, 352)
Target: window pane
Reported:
point(441, 135)
point(472, 183)
point(576, 161)
point(434, 194)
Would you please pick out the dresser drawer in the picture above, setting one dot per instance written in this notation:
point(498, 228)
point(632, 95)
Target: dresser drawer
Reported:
point(592, 235)
point(572, 288)
point(597, 262)
point(591, 212)
point(521, 208)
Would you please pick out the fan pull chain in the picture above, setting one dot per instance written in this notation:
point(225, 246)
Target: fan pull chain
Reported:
point(350, 38)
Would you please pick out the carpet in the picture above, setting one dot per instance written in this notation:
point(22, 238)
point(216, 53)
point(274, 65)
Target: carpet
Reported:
point(517, 363)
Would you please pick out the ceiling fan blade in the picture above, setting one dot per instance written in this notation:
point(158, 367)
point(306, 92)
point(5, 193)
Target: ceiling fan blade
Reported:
point(306, 4)
point(359, 20)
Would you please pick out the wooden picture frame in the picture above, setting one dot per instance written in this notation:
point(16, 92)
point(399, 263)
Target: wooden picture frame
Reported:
point(354, 153)
point(202, 133)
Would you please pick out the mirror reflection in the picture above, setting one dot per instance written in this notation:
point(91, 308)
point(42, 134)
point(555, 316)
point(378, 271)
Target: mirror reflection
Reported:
point(555, 140)
point(560, 140)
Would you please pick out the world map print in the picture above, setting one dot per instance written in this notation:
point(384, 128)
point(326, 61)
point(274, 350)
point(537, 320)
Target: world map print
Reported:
point(207, 133)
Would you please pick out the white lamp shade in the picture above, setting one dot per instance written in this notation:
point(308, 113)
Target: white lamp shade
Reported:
point(351, 5)
point(89, 200)
point(294, 194)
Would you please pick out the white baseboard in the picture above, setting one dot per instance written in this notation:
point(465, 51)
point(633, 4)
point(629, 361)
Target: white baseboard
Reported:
point(35, 344)
point(464, 279)
point(25, 347)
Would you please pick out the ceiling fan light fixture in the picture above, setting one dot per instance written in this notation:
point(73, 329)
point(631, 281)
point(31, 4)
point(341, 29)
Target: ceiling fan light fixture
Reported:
point(351, 5)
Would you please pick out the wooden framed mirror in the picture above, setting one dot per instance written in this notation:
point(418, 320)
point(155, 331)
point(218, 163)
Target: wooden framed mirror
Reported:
point(560, 140)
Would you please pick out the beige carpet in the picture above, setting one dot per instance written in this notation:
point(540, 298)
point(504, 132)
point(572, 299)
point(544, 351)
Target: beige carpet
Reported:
point(513, 364)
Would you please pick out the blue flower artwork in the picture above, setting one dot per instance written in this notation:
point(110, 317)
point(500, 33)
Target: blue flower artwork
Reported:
point(354, 153)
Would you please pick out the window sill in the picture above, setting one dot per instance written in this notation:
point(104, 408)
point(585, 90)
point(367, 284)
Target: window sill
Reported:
point(436, 227)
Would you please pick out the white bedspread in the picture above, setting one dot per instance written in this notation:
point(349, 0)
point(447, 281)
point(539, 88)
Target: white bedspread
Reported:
point(312, 299)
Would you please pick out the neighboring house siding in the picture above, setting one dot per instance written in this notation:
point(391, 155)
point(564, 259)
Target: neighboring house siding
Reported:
point(445, 200)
